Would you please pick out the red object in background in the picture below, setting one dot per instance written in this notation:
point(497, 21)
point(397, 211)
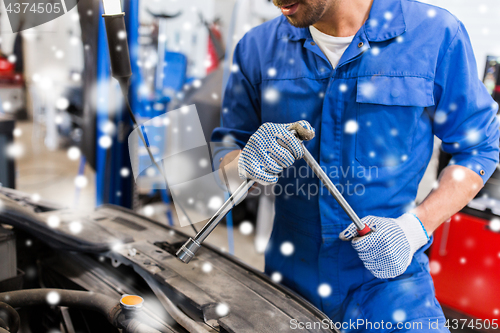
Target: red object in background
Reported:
point(465, 267)
point(212, 56)
point(8, 76)
point(6, 67)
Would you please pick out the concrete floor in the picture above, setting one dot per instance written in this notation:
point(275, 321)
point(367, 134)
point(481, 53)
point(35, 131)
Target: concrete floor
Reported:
point(51, 175)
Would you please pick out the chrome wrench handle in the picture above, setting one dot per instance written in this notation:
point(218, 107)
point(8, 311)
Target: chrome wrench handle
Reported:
point(363, 229)
point(189, 249)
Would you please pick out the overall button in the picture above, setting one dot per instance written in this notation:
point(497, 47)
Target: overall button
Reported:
point(328, 157)
point(361, 44)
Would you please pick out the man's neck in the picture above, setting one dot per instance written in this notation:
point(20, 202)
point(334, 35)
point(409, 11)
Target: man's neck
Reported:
point(344, 18)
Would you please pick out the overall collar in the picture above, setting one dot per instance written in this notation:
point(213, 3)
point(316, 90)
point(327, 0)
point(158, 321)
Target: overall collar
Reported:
point(386, 21)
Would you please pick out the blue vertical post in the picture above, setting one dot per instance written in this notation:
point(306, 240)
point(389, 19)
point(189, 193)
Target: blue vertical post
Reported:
point(166, 200)
point(230, 232)
point(111, 187)
point(132, 21)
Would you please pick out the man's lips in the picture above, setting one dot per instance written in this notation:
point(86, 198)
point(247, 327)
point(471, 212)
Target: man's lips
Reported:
point(290, 9)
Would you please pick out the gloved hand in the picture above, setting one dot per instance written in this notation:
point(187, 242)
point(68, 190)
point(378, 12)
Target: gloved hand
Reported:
point(272, 148)
point(388, 250)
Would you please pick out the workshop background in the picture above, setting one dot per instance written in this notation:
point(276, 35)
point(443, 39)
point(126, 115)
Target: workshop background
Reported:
point(64, 140)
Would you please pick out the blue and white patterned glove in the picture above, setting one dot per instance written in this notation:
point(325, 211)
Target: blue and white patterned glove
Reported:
point(272, 148)
point(388, 250)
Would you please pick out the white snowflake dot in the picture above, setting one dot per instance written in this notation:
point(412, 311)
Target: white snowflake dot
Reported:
point(76, 77)
point(151, 172)
point(53, 221)
point(276, 277)
point(440, 117)
point(206, 267)
point(458, 175)
point(435, 267)
point(222, 309)
point(271, 95)
point(287, 248)
point(324, 290)
point(271, 72)
point(203, 163)
point(81, 181)
point(197, 83)
point(246, 228)
point(351, 127)
point(59, 119)
point(15, 150)
point(105, 141)
point(122, 34)
point(473, 136)
point(495, 225)
point(399, 316)
point(17, 132)
point(74, 153)
point(125, 172)
point(149, 210)
point(53, 298)
point(215, 202)
point(59, 54)
point(75, 227)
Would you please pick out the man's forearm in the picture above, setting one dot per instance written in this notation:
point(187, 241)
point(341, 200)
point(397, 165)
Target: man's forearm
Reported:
point(228, 169)
point(457, 186)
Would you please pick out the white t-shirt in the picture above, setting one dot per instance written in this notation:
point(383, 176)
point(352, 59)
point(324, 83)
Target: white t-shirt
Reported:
point(332, 47)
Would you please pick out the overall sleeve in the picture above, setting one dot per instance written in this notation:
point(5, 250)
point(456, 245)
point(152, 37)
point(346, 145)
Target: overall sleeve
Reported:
point(464, 117)
point(241, 104)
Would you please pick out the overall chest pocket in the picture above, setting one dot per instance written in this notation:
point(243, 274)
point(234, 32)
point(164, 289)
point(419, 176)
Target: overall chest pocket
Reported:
point(388, 110)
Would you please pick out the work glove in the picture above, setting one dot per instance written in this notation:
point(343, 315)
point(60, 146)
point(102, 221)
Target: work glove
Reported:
point(388, 250)
point(272, 148)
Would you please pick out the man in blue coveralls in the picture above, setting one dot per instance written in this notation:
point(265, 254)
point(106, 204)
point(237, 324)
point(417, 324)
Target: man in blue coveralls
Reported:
point(376, 79)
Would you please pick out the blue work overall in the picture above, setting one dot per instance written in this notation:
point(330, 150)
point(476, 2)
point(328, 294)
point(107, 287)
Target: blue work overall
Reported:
point(409, 74)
